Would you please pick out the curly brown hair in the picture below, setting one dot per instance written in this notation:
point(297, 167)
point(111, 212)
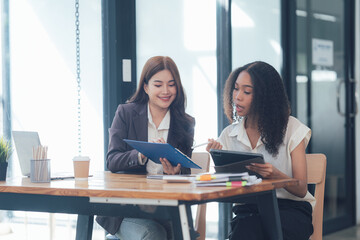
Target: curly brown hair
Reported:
point(270, 103)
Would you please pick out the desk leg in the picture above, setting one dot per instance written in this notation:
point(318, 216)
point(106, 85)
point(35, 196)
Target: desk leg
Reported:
point(84, 227)
point(225, 216)
point(270, 217)
point(183, 223)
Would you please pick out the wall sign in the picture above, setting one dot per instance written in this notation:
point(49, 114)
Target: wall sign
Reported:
point(322, 52)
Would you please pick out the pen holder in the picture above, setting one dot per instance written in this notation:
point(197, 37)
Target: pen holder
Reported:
point(40, 170)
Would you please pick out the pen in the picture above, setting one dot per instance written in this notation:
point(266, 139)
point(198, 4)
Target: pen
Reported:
point(199, 145)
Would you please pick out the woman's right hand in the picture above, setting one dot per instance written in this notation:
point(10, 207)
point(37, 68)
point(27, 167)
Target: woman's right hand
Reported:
point(213, 144)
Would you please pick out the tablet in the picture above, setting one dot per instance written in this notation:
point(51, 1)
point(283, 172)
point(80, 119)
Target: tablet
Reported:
point(234, 161)
point(155, 151)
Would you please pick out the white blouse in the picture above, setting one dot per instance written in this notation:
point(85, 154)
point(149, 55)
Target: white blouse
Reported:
point(234, 137)
point(154, 133)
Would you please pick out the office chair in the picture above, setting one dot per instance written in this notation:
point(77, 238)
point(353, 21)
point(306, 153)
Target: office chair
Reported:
point(316, 172)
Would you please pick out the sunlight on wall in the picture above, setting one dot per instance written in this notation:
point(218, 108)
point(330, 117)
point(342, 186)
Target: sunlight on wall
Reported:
point(189, 38)
point(199, 30)
point(252, 38)
point(190, 41)
point(239, 18)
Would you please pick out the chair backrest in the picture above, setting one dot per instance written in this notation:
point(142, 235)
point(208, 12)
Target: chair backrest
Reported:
point(203, 160)
point(316, 171)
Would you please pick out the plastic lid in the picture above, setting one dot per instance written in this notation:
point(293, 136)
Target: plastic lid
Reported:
point(81, 158)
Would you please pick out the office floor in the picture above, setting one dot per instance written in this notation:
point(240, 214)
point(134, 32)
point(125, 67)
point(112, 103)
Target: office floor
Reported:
point(17, 231)
point(352, 233)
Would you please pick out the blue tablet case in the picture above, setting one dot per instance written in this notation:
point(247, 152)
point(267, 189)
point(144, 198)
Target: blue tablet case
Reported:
point(155, 151)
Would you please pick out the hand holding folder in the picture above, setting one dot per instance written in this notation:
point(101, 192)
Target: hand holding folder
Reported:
point(155, 151)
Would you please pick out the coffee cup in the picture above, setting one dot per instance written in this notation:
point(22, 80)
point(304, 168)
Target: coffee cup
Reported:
point(81, 167)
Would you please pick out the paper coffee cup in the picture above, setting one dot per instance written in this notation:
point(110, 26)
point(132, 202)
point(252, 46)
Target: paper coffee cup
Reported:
point(81, 167)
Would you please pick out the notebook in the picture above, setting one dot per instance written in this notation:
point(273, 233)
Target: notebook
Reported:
point(24, 142)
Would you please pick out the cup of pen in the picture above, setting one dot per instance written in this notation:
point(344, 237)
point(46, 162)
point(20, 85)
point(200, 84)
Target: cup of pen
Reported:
point(40, 165)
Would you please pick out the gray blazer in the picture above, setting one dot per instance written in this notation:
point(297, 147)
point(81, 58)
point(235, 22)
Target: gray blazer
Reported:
point(131, 122)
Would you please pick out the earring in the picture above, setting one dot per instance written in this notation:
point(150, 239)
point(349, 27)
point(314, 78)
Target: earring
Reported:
point(236, 118)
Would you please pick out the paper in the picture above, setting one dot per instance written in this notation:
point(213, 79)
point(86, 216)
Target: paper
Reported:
point(229, 180)
point(174, 178)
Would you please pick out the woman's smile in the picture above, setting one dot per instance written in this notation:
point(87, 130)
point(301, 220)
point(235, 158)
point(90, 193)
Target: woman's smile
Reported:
point(165, 99)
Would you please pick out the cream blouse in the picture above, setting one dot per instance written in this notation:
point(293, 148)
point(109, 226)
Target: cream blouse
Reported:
point(154, 133)
point(234, 137)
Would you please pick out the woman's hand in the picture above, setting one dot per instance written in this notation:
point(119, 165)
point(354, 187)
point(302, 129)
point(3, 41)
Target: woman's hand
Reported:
point(299, 171)
point(213, 144)
point(266, 170)
point(158, 140)
point(168, 168)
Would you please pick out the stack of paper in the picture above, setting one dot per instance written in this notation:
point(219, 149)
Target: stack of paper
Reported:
point(211, 179)
point(174, 178)
point(227, 179)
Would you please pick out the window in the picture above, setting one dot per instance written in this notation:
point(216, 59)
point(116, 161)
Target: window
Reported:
point(44, 90)
point(190, 41)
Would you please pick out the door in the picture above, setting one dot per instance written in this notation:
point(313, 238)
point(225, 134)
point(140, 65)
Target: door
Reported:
point(325, 99)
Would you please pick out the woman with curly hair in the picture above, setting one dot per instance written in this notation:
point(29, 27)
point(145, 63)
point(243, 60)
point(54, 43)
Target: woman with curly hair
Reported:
point(256, 104)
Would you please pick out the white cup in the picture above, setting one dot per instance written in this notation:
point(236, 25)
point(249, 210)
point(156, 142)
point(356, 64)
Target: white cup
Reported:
point(81, 167)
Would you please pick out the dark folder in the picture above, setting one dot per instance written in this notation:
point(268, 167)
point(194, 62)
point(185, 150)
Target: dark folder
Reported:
point(155, 151)
point(233, 161)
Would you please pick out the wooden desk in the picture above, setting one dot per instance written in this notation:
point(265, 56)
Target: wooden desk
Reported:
point(110, 194)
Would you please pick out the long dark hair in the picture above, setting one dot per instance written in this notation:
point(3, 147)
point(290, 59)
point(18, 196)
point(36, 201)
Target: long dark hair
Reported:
point(182, 124)
point(270, 104)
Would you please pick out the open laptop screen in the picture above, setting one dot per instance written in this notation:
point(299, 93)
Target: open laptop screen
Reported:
point(24, 143)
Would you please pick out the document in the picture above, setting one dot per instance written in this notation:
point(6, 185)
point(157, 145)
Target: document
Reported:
point(228, 180)
point(220, 176)
point(174, 178)
point(155, 151)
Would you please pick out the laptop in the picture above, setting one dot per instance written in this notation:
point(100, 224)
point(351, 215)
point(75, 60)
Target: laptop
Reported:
point(234, 161)
point(24, 142)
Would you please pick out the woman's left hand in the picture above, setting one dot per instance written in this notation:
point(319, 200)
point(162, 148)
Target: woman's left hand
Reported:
point(266, 170)
point(168, 168)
